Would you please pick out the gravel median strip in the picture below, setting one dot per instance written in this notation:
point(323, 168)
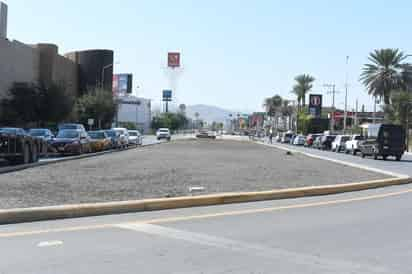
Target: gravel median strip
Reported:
point(181, 168)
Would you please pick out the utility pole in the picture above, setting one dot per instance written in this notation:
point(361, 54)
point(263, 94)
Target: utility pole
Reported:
point(346, 97)
point(356, 113)
point(333, 92)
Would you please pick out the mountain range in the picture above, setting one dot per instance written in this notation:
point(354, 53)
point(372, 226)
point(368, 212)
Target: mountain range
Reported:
point(211, 113)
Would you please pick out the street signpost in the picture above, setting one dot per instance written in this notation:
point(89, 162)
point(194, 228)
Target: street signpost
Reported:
point(315, 105)
point(90, 122)
point(167, 97)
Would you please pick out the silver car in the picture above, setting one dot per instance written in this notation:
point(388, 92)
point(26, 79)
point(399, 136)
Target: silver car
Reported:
point(135, 138)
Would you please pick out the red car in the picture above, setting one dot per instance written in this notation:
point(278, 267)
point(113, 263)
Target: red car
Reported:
point(310, 139)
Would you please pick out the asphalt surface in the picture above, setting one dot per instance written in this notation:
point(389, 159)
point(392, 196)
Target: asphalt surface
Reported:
point(362, 232)
point(402, 167)
point(170, 170)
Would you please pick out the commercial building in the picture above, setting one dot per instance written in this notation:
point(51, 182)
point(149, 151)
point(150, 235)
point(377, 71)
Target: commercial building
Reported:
point(95, 68)
point(135, 110)
point(42, 64)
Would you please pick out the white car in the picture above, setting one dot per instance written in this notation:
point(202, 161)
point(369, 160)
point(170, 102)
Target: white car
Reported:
point(339, 144)
point(163, 133)
point(135, 138)
point(299, 140)
point(352, 146)
point(124, 136)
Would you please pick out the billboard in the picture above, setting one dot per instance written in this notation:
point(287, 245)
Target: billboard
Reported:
point(315, 105)
point(122, 84)
point(167, 95)
point(173, 59)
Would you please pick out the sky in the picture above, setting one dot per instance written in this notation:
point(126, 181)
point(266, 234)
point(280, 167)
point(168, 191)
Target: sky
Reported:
point(234, 53)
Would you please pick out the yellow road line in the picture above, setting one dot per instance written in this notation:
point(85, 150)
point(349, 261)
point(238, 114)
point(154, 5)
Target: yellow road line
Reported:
point(204, 216)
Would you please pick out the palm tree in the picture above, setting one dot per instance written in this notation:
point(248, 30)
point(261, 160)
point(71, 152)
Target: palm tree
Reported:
point(182, 108)
point(387, 71)
point(304, 83)
point(272, 106)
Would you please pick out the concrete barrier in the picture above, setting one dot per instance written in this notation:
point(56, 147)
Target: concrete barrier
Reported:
point(84, 210)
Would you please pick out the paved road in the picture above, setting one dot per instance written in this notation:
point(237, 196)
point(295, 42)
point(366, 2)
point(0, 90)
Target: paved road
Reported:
point(402, 167)
point(363, 232)
point(360, 232)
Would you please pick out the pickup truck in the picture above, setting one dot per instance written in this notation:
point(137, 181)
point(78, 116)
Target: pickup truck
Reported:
point(352, 145)
point(18, 147)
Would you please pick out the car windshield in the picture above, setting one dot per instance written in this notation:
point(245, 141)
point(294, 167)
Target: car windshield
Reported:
point(111, 133)
point(68, 126)
point(68, 134)
point(38, 132)
point(96, 134)
point(8, 130)
point(133, 133)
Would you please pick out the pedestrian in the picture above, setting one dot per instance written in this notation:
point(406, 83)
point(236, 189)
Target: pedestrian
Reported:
point(270, 136)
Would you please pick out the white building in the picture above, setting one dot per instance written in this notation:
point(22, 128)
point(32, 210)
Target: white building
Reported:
point(135, 110)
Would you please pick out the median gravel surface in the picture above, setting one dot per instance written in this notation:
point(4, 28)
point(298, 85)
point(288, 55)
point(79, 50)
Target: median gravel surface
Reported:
point(170, 170)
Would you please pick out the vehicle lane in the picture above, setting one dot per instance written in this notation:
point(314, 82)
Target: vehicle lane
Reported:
point(364, 236)
point(402, 167)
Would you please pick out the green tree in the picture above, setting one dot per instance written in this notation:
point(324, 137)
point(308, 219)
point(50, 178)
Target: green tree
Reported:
point(387, 71)
point(272, 105)
point(304, 83)
point(55, 104)
point(27, 103)
point(173, 121)
point(97, 104)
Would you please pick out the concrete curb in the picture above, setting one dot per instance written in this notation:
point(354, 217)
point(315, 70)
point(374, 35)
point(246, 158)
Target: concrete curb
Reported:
point(84, 210)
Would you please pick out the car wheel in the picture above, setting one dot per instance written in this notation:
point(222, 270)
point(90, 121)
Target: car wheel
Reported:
point(398, 157)
point(363, 155)
point(353, 152)
point(385, 157)
point(375, 156)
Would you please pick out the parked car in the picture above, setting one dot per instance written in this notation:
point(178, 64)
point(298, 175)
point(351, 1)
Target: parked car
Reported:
point(115, 138)
point(339, 143)
point(99, 140)
point(204, 133)
point(72, 141)
point(124, 136)
point(317, 142)
point(383, 141)
point(135, 137)
point(18, 147)
point(71, 126)
point(299, 140)
point(310, 139)
point(286, 137)
point(352, 145)
point(43, 133)
point(326, 142)
point(292, 139)
point(163, 133)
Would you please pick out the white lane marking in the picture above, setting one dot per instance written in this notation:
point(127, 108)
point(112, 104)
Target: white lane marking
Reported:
point(364, 167)
point(281, 255)
point(49, 243)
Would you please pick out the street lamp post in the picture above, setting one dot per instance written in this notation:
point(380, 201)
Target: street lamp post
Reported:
point(346, 97)
point(103, 70)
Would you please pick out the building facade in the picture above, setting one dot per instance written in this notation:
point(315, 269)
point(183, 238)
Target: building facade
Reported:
point(95, 68)
point(135, 110)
